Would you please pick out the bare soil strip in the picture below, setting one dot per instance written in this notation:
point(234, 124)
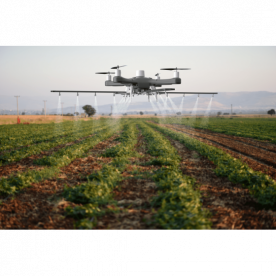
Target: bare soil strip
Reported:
point(231, 206)
point(133, 195)
point(27, 163)
point(256, 161)
point(42, 206)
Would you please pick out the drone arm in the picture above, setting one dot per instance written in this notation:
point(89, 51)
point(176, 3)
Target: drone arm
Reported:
point(75, 91)
point(162, 89)
point(111, 83)
point(202, 93)
point(119, 79)
point(165, 81)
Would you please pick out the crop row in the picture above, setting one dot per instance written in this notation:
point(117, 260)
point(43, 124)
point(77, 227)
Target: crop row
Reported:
point(61, 158)
point(260, 185)
point(24, 152)
point(28, 131)
point(179, 205)
point(36, 134)
point(257, 128)
point(97, 191)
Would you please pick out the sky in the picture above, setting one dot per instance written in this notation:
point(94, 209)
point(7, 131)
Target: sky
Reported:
point(35, 71)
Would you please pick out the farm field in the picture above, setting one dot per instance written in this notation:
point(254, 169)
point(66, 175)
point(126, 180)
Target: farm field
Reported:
point(256, 128)
point(33, 119)
point(139, 173)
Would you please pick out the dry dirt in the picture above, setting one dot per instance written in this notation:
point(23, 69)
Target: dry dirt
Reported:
point(38, 119)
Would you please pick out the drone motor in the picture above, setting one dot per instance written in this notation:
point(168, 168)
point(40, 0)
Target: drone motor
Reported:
point(176, 74)
point(140, 73)
point(118, 71)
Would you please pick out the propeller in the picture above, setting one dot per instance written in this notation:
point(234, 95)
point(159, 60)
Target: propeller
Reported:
point(170, 69)
point(105, 73)
point(117, 67)
point(157, 74)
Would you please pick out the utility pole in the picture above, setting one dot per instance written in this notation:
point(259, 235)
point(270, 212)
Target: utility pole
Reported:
point(44, 108)
point(62, 108)
point(17, 104)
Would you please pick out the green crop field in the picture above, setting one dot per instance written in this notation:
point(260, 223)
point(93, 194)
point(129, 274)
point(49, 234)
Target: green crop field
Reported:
point(257, 128)
point(139, 173)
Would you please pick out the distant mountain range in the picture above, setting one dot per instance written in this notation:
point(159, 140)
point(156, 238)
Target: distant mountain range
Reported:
point(241, 101)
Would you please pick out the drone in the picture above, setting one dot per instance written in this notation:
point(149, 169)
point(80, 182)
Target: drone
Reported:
point(139, 85)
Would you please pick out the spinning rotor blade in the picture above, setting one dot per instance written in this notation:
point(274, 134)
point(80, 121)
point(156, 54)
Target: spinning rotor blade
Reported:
point(157, 74)
point(117, 67)
point(170, 69)
point(104, 73)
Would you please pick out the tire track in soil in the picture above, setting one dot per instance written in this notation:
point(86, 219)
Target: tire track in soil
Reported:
point(41, 206)
point(231, 206)
point(27, 163)
point(252, 162)
point(133, 196)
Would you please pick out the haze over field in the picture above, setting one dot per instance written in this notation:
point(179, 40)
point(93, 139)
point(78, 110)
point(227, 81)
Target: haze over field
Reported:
point(242, 101)
point(32, 72)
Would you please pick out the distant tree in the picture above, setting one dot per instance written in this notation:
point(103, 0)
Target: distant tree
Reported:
point(110, 114)
point(77, 113)
point(141, 113)
point(219, 113)
point(271, 112)
point(125, 114)
point(155, 114)
point(23, 113)
point(178, 113)
point(89, 110)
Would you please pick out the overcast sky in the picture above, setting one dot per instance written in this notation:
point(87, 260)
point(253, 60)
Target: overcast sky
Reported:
point(34, 71)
